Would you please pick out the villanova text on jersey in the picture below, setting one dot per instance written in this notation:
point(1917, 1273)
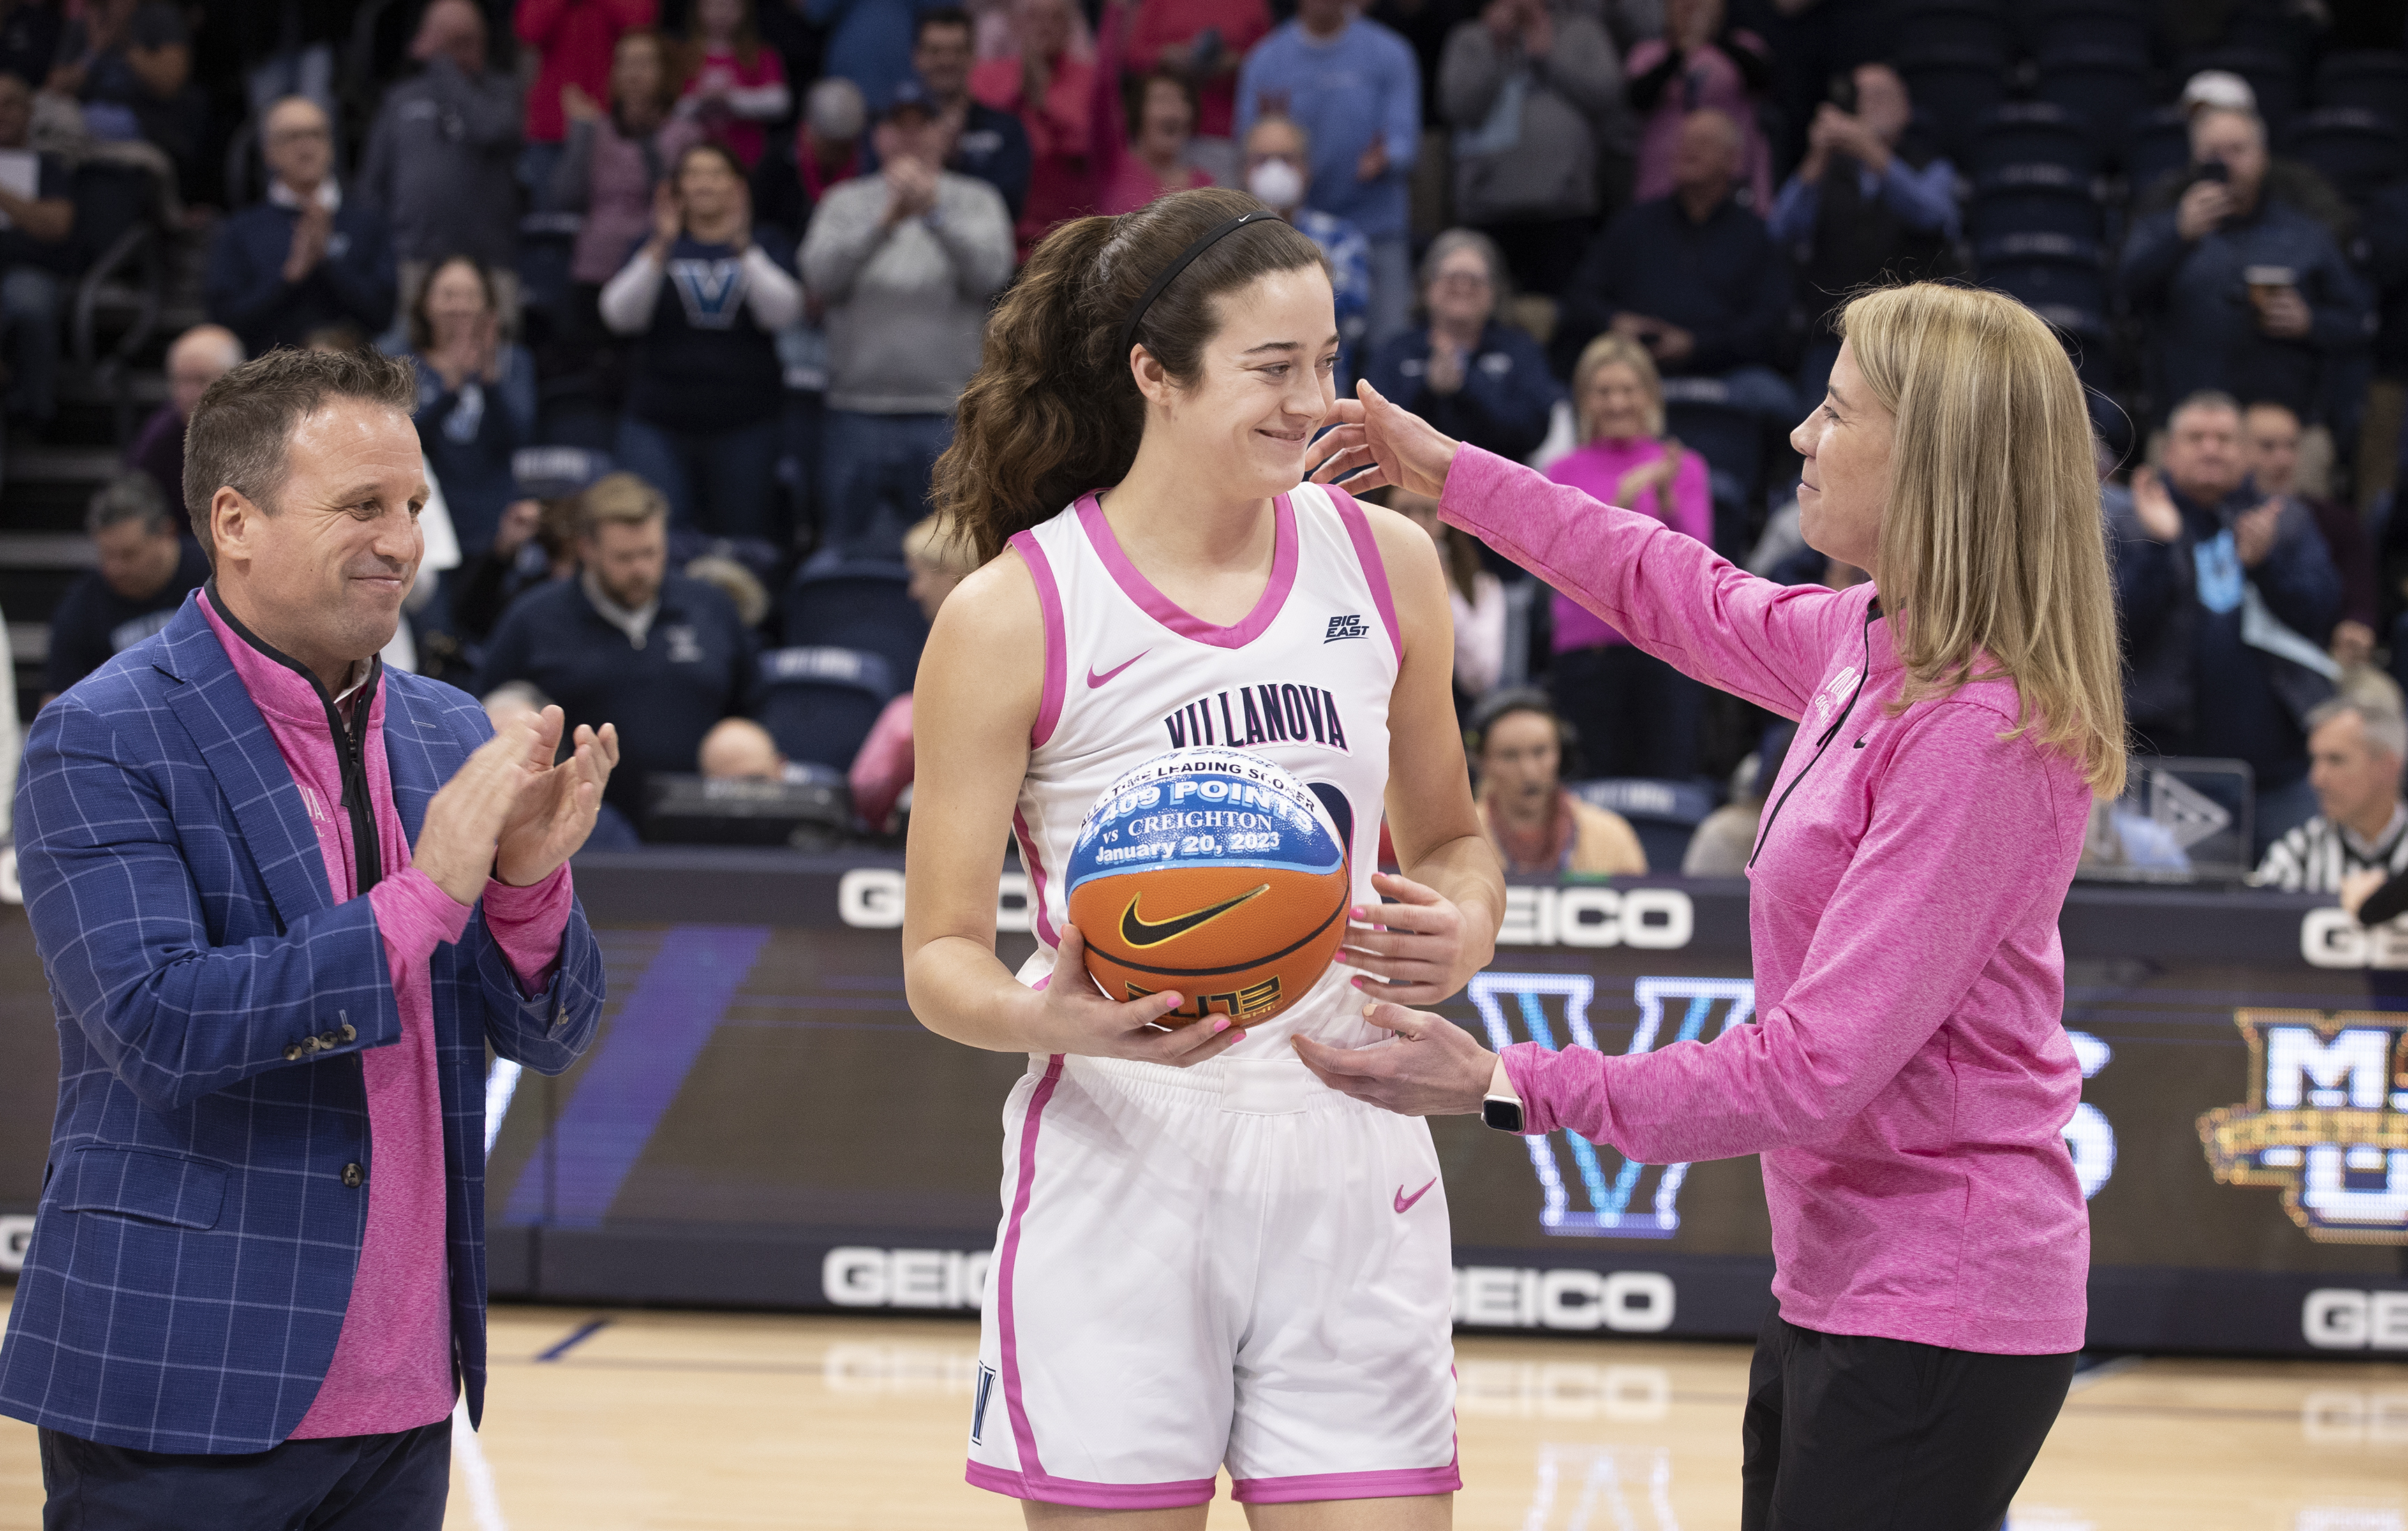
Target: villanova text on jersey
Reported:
point(1276, 711)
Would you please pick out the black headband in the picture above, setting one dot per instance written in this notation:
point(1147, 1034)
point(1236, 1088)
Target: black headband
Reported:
point(1170, 272)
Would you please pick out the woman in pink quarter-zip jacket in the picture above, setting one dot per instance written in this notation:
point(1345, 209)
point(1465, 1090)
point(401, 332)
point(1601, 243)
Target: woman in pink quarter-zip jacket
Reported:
point(1908, 1077)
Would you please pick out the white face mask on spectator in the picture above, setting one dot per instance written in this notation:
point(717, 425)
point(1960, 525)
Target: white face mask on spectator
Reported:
point(1276, 183)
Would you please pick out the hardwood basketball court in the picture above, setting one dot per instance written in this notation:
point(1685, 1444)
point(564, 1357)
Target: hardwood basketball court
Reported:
point(652, 1421)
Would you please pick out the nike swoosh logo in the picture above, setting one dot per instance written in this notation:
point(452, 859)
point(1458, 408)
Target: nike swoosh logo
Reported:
point(1138, 931)
point(1405, 1202)
point(1094, 680)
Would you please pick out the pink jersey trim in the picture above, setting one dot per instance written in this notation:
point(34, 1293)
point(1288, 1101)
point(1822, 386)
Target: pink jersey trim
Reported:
point(1070, 1491)
point(1375, 569)
point(1396, 1483)
point(1057, 641)
point(1036, 865)
point(1023, 1439)
point(1165, 611)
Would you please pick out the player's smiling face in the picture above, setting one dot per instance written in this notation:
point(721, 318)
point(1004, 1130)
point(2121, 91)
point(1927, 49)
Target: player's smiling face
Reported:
point(1264, 385)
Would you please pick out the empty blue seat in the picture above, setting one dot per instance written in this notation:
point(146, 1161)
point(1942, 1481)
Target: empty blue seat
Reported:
point(2088, 340)
point(2033, 200)
point(2102, 86)
point(820, 703)
point(2359, 151)
point(856, 605)
point(2032, 133)
point(2157, 143)
point(1972, 26)
point(1951, 87)
point(2368, 81)
point(2045, 270)
point(1665, 814)
point(1699, 412)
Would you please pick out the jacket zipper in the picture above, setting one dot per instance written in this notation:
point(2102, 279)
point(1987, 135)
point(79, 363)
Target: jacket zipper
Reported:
point(1864, 673)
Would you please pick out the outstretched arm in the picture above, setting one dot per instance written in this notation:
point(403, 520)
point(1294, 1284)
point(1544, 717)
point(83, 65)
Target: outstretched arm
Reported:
point(1673, 596)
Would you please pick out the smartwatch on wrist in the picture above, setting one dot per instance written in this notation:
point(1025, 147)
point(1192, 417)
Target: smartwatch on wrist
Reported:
point(1500, 1107)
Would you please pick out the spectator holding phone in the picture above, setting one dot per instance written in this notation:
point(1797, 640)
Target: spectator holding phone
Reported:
point(2239, 291)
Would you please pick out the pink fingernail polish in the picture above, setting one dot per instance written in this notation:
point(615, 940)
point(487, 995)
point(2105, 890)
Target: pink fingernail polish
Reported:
point(1220, 1026)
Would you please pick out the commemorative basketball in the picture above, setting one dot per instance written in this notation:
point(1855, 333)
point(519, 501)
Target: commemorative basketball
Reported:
point(1212, 872)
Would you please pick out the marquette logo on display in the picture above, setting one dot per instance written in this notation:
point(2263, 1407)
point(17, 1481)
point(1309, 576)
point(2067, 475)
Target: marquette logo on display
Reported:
point(2327, 1121)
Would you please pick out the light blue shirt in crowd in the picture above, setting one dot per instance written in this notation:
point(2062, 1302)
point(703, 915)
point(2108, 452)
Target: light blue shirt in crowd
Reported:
point(1926, 198)
point(1342, 91)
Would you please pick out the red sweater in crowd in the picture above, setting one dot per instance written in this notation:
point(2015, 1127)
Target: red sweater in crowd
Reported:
point(574, 39)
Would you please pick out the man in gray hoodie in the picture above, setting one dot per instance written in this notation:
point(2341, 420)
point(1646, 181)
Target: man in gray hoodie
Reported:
point(903, 263)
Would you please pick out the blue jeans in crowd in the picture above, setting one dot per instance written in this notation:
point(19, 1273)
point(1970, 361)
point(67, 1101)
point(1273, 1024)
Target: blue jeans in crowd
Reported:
point(28, 318)
point(874, 479)
point(721, 482)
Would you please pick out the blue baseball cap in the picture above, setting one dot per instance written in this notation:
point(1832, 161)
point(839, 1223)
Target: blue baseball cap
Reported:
point(910, 94)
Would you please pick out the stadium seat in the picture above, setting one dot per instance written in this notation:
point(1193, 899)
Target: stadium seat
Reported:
point(2157, 143)
point(1665, 814)
point(2122, 28)
point(856, 606)
point(820, 703)
point(2359, 151)
point(1699, 412)
point(2032, 133)
point(2272, 76)
point(2103, 86)
point(1972, 26)
point(114, 311)
point(2033, 200)
point(2375, 81)
point(2045, 270)
point(2088, 341)
point(1951, 87)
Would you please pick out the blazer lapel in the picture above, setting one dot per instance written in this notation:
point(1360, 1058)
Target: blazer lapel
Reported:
point(210, 700)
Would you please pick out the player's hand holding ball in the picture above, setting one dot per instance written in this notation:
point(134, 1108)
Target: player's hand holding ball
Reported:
point(1072, 1016)
point(1413, 948)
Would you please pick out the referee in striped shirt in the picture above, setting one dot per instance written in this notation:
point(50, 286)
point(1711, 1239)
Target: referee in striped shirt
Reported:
point(2356, 748)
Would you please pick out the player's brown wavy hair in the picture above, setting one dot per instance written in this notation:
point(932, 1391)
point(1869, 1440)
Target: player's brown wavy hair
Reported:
point(1993, 554)
point(1055, 410)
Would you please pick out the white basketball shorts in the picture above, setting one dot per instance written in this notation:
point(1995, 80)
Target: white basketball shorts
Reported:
point(1229, 1265)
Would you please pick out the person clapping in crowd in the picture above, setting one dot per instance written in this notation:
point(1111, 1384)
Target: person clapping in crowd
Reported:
point(1487, 382)
point(2227, 598)
point(905, 262)
point(1635, 714)
point(476, 396)
point(1534, 94)
point(988, 144)
point(701, 420)
point(306, 258)
point(1539, 828)
point(1161, 117)
point(737, 87)
point(2271, 437)
point(1701, 60)
point(1050, 90)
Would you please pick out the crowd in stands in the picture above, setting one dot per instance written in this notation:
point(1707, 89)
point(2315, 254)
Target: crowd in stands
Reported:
point(692, 287)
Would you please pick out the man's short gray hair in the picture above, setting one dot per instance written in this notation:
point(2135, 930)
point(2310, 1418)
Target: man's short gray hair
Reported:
point(128, 497)
point(2203, 398)
point(2385, 727)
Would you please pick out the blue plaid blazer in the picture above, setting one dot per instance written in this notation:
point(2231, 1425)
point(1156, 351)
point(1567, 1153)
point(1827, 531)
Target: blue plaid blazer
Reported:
point(194, 1249)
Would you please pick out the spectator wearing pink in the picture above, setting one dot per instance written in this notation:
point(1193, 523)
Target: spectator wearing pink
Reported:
point(573, 40)
point(1202, 40)
point(737, 85)
point(1635, 714)
point(1700, 61)
point(939, 559)
point(1051, 90)
point(1142, 127)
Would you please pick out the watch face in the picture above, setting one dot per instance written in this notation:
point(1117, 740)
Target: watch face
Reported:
point(1503, 1115)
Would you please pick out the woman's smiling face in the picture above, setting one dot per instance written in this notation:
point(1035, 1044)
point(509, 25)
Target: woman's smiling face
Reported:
point(1264, 381)
point(1844, 488)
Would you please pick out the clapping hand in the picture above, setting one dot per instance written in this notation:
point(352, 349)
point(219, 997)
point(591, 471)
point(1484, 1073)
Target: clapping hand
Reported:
point(2254, 532)
point(2154, 506)
point(555, 805)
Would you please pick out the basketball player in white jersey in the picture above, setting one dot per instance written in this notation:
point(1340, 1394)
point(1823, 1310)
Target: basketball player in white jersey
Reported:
point(1207, 1258)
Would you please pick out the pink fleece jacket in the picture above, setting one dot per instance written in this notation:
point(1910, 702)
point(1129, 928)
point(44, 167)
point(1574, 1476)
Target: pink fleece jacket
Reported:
point(392, 1368)
point(1909, 1074)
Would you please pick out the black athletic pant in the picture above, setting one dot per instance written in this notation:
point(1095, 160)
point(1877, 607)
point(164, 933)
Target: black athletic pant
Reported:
point(1850, 1433)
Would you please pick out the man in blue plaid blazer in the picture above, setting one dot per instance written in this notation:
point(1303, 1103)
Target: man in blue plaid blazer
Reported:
point(234, 1031)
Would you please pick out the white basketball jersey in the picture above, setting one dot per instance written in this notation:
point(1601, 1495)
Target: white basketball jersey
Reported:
point(1304, 680)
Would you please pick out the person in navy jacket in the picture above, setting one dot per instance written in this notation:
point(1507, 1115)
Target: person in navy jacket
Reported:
point(1488, 382)
point(285, 899)
point(307, 256)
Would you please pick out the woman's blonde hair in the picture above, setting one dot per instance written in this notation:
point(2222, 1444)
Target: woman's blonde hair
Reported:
point(1993, 556)
point(1609, 350)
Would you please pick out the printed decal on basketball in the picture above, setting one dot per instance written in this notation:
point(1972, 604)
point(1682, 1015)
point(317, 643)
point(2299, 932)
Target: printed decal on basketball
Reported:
point(1245, 867)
